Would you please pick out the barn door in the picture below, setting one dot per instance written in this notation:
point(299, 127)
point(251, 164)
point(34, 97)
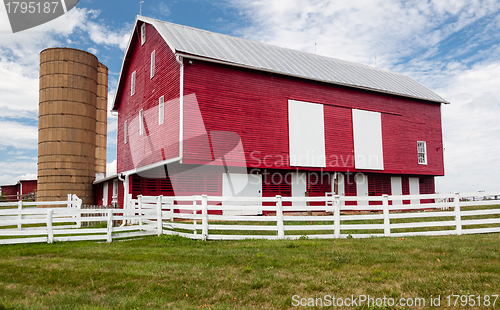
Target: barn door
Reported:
point(414, 189)
point(299, 187)
point(362, 187)
point(396, 189)
point(241, 185)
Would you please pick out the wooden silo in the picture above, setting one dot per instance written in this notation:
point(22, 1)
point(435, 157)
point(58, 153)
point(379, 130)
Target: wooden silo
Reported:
point(68, 111)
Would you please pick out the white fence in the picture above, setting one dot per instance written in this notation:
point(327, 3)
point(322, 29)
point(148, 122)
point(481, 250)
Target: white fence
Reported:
point(231, 218)
point(26, 223)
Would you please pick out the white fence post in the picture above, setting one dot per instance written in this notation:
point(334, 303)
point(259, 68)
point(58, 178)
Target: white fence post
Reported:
point(76, 203)
point(139, 207)
point(78, 216)
point(336, 216)
point(458, 218)
point(50, 231)
point(387, 220)
point(19, 214)
point(204, 217)
point(279, 217)
point(159, 220)
point(195, 204)
point(329, 207)
point(110, 226)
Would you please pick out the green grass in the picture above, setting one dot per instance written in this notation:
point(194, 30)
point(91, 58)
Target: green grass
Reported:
point(170, 272)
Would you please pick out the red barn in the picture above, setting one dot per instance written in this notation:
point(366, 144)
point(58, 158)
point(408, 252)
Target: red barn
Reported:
point(23, 189)
point(206, 113)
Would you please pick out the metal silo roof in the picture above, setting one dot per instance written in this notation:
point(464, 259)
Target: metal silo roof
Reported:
point(265, 57)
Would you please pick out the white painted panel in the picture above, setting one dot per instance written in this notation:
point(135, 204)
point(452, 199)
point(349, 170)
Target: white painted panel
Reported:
point(299, 180)
point(362, 187)
point(414, 189)
point(105, 194)
point(241, 185)
point(396, 189)
point(306, 134)
point(367, 131)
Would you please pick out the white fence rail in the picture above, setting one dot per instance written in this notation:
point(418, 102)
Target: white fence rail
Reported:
point(233, 218)
point(25, 223)
point(213, 218)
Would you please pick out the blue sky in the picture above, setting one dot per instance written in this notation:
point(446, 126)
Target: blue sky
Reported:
point(450, 46)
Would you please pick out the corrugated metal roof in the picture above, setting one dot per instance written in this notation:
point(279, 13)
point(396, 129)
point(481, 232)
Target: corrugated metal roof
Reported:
point(265, 57)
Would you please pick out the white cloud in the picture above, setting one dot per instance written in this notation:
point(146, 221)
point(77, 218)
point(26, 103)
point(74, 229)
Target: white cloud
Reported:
point(15, 153)
point(28, 176)
point(359, 31)
point(93, 50)
point(11, 172)
point(19, 66)
point(164, 9)
point(19, 80)
point(18, 135)
point(19, 88)
point(101, 34)
point(471, 129)
point(449, 46)
point(111, 168)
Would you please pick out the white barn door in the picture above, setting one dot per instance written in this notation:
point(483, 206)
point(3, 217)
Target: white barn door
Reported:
point(362, 187)
point(414, 189)
point(299, 180)
point(396, 189)
point(241, 185)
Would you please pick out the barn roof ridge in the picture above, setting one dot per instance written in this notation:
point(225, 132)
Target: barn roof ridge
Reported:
point(212, 46)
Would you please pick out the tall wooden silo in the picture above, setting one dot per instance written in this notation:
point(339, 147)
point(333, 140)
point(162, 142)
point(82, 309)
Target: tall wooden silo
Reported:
point(68, 112)
point(102, 119)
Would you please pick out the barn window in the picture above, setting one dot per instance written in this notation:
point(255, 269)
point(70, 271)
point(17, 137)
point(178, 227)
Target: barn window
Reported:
point(132, 84)
point(161, 108)
point(367, 132)
point(422, 152)
point(141, 122)
point(152, 70)
point(125, 133)
point(306, 131)
point(143, 34)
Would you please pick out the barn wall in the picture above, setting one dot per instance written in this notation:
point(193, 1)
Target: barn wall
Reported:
point(98, 193)
point(254, 105)
point(158, 142)
point(10, 189)
point(28, 186)
point(110, 191)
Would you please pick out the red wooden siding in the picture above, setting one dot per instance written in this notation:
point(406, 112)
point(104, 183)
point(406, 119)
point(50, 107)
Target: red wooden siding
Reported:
point(318, 184)
point(121, 192)
point(254, 105)
point(28, 186)
point(151, 187)
point(378, 185)
point(110, 191)
point(98, 194)
point(159, 142)
point(427, 187)
point(276, 182)
point(10, 189)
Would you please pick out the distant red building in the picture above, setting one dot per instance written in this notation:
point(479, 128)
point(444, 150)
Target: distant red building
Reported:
point(22, 189)
point(205, 113)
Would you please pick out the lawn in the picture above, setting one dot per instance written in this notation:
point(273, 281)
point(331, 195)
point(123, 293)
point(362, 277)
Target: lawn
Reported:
point(175, 273)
